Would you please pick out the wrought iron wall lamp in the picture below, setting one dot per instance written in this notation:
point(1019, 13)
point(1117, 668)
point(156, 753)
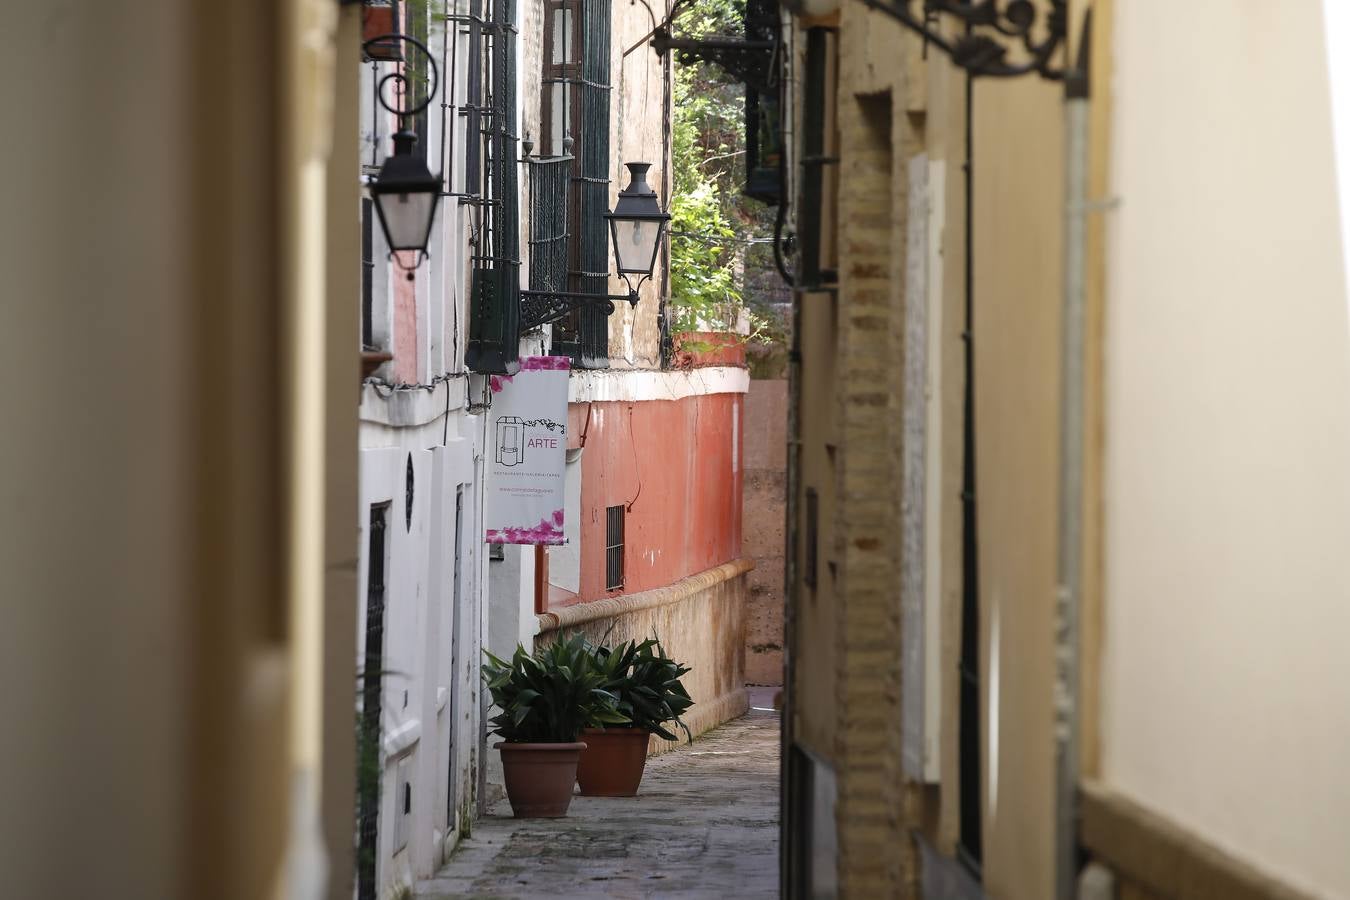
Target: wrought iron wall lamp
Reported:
point(636, 226)
point(405, 193)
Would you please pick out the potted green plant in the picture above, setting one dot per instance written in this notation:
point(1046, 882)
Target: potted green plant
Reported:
point(545, 700)
point(646, 684)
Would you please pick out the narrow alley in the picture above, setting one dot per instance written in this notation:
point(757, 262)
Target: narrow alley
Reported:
point(704, 824)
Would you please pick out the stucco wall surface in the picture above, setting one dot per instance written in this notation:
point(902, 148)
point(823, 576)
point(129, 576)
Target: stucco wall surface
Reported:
point(1226, 683)
point(676, 467)
point(700, 621)
point(763, 506)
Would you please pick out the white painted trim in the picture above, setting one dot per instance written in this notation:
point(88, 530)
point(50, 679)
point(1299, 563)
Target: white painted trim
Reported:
point(411, 407)
point(402, 738)
point(603, 387)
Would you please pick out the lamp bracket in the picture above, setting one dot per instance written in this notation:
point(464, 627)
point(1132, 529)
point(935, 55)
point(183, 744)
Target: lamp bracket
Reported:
point(403, 92)
point(540, 308)
point(1039, 28)
point(748, 58)
point(749, 62)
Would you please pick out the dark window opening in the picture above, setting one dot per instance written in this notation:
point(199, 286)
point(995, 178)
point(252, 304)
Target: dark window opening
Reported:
point(614, 529)
point(452, 752)
point(549, 178)
point(810, 570)
point(409, 495)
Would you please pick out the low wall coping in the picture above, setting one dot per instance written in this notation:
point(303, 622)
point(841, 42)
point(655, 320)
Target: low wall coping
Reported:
point(609, 607)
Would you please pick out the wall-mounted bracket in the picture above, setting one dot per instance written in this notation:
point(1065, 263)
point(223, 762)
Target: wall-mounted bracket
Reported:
point(540, 308)
point(993, 29)
point(749, 62)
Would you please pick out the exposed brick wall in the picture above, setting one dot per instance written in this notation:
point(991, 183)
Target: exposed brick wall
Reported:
point(875, 855)
point(763, 510)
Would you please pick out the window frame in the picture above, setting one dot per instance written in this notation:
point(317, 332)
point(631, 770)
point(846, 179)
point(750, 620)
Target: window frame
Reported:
point(616, 522)
point(584, 334)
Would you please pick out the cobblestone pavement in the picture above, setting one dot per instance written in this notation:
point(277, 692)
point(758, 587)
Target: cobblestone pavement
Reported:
point(704, 825)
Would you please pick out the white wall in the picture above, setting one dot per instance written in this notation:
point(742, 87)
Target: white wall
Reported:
point(430, 698)
point(435, 621)
point(1226, 694)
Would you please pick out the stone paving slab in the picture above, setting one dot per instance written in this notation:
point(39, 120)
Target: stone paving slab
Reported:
point(704, 825)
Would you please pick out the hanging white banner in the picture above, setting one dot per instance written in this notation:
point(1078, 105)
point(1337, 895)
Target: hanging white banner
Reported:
point(527, 437)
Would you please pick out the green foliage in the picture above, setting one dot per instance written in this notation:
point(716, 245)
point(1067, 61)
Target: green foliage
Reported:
point(702, 276)
point(702, 281)
point(550, 696)
point(698, 20)
point(714, 273)
point(647, 685)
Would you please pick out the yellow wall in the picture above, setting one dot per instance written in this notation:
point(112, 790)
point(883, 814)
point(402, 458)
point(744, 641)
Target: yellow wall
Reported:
point(1226, 683)
point(162, 531)
point(1017, 243)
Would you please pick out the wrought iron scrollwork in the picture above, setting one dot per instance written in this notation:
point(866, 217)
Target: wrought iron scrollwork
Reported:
point(746, 61)
point(540, 308)
point(400, 80)
point(1039, 28)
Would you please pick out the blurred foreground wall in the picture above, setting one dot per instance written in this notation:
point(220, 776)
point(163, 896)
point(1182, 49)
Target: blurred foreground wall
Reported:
point(925, 640)
point(174, 509)
point(1225, 685)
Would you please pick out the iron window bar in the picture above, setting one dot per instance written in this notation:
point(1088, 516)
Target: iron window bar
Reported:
point(614, 543)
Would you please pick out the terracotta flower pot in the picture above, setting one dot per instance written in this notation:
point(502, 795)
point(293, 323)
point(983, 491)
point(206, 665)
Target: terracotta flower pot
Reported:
point(613, 762)
point(539, 777)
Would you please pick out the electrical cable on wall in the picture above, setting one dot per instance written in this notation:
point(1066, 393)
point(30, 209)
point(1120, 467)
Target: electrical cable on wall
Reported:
point(386, 388)
point(637, 464)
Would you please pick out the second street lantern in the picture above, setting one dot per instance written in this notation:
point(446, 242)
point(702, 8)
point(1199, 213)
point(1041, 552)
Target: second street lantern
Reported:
point(636, 225)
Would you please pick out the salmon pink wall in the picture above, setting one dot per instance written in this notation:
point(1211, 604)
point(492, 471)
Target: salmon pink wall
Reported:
point(676, 465)
point(406, 364)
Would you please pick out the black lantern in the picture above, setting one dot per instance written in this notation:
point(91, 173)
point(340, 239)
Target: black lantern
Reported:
point(637, 225)
point(406, 195)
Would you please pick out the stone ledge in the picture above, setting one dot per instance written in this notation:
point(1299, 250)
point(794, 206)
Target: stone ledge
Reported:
point(1165, 859)
point(610, 607)
point(702, 718)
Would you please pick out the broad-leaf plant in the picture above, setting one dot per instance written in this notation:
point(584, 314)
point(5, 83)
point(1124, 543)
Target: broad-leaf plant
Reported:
point(646, 684)
point(550, 696)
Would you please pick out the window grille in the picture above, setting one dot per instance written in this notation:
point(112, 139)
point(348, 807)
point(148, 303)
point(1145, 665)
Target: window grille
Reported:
point(494, 337)
point(368, 737)
point(614, 528)
point(548, 222)
point(367, 273)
